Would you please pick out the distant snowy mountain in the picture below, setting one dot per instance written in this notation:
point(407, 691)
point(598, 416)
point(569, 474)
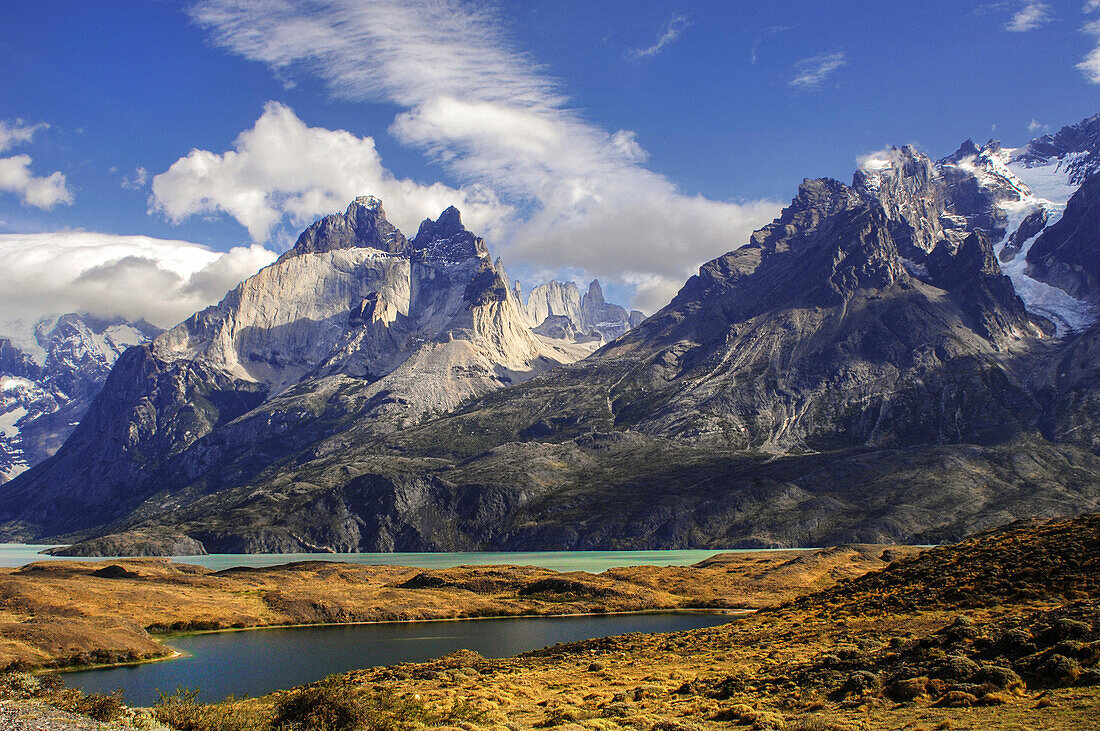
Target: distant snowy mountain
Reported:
point(49, 373)
point(1013, 195)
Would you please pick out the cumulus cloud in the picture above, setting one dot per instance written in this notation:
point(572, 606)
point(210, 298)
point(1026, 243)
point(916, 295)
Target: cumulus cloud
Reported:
point(544, 182)
point(672, 30)
point(283, 168)
point(810, 72)
point(1035, 125)
point(15, 171)
point(162, 281)
point(1029, 16)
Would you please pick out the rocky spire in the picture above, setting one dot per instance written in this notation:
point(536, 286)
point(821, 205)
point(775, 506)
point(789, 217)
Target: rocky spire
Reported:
point(364, 224)
point(447, 239)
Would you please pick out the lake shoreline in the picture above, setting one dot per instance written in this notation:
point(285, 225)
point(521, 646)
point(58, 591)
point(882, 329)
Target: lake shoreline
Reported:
point(75, 614)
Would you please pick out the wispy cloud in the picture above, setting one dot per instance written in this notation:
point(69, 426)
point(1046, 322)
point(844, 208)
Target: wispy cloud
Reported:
point(1029, 16)
point(15, 171)
point(1036, 125)
point(765, 34)
point(15, 132)
point(137, 181)
point(810, 72)
point(573, 194)
point(1090, 64)
point(672, 30)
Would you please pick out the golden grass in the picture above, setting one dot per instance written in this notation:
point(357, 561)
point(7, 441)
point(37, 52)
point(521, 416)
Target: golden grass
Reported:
point(55, 613)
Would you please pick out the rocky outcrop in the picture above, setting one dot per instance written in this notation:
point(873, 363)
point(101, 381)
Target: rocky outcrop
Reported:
point(363, 225)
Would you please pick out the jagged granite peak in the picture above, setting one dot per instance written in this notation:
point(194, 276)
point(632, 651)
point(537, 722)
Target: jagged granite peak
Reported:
point(808, 369)
point(362, 225)
point(590, 314)
point(931, 201)
point(861, 369)
point(594, 296)
point(608, 320)
point(555, 298)
point(446, 239)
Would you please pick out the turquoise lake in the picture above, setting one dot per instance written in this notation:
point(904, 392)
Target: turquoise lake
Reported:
point(18, 554)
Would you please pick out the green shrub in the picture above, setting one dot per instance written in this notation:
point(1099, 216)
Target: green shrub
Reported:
point(340, 707)
point(182, 711)
point(100, 707)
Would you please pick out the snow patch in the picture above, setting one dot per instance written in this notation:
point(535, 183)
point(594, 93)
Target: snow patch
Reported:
point(13, 383)
point(1049, 181)
point(1068, 313)
point(8, 421)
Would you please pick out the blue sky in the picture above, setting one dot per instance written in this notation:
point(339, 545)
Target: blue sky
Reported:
point(626, 140)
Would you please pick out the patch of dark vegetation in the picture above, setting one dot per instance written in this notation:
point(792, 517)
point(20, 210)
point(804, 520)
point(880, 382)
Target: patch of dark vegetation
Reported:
point(969, 663)
point(565, 587)
point(190, 625)
point(80, 659)
point(1020, 563)
point(114, 571)
point(50, 689)
point(333, 704)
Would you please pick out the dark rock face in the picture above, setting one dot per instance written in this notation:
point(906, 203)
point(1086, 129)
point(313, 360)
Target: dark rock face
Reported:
point(1067, 254)
point(446, 239)
point(363, 224)
point(1035, 222)
point(147, 411)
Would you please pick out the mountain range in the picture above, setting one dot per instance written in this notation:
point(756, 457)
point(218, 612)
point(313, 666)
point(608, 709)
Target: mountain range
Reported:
point(906, 358)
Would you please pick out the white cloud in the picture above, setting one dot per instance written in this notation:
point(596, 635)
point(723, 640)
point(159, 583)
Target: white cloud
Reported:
point(137, 181)
point(136, 277)
point(672, 30)
point(1090, 6)
point(489, 115)
point(812, 71)
point(41, 192)
point(15, 171)
point(283, 168)
point(15, 132)
point(1090, 65)
point(1029, 17)
point(1035, 125)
